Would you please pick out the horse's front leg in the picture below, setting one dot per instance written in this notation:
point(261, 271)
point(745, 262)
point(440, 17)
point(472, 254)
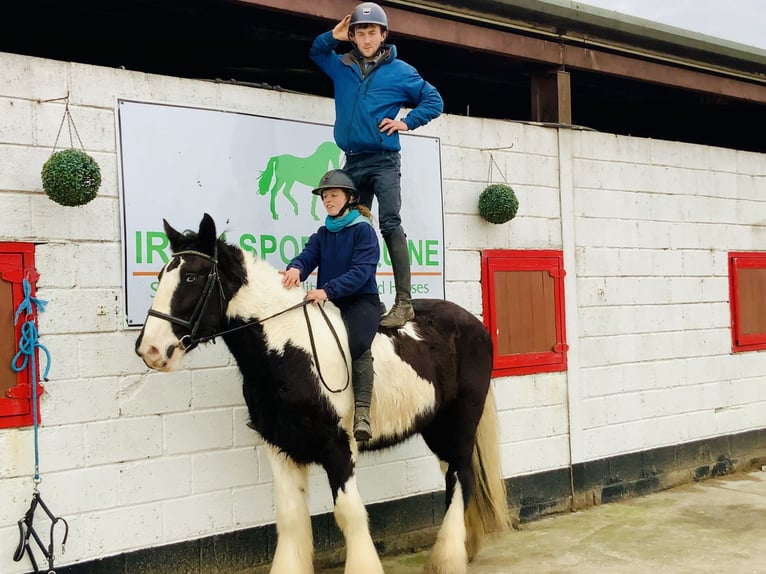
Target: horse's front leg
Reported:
point(350, 514)
point(295, 545)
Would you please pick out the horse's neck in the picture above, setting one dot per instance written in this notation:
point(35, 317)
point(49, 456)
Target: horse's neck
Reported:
point(263, 294)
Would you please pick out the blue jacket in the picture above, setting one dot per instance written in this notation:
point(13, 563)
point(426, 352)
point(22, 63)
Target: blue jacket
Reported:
point(362, 102)
point(347, 260)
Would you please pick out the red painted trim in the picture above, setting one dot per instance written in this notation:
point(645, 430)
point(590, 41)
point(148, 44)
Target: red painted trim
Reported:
point(525, 260)
point(16, 406)
point(741, 342)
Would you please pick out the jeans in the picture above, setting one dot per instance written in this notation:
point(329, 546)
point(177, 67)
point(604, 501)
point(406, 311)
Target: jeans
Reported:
point(379, 175)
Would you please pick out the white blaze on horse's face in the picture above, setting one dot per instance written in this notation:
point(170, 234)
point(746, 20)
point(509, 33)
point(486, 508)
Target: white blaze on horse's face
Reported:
point(159, 346)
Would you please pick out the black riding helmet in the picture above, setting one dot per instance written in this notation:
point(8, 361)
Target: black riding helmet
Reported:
point(334, 179)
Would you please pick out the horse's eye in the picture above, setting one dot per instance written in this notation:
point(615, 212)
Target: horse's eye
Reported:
point(191, 277)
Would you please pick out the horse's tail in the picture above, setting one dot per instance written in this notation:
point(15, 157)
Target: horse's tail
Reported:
point(487, 510)
point(264, 180)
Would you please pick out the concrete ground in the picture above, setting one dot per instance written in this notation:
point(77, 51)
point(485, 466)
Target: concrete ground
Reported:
point(718, 525)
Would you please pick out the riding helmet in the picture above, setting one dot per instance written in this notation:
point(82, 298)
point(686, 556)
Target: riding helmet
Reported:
point(336, 178)
point(368, 13)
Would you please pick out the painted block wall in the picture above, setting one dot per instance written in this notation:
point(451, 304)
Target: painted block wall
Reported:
point(653, 224)
point(135, 459)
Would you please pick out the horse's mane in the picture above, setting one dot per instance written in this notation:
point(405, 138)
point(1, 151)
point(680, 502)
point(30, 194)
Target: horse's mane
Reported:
point(261, 279)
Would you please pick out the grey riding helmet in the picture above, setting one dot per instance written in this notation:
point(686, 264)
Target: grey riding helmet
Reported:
point(368, 13)
point(336, 178)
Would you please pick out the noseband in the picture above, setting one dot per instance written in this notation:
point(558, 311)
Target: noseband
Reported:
point(193, 323)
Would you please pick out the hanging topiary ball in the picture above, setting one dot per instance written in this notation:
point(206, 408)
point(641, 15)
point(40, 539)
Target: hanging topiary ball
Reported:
point(498, 203)
point(71, 177)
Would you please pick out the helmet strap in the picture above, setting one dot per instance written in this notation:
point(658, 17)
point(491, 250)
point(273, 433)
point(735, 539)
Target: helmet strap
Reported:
point(343, 209)
point(350, 204)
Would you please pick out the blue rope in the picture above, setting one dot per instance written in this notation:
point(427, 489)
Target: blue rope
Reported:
point(30, 306)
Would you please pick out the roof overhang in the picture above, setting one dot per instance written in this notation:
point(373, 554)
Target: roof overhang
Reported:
point(581, 38)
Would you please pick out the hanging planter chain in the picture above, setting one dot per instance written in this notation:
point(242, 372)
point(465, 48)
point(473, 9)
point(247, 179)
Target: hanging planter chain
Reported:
point(491, 163)
point(70, 126)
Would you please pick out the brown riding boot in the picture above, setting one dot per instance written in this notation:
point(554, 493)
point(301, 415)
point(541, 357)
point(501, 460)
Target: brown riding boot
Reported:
point(400, 313)
point(402, 310)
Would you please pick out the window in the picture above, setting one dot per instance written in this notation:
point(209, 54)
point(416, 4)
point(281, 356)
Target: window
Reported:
point(747, 299)
point(523, 294)
point(16, 262)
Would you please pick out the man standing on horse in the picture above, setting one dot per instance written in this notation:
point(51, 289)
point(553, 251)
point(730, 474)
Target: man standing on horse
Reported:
point(346, 252)
point(371, 86)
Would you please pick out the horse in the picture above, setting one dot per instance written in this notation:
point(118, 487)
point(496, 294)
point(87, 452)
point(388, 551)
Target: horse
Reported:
point(286, 169)
point(432, 377)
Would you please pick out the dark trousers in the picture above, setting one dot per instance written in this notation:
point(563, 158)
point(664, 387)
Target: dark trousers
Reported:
point(361, 314)
point(379, 175)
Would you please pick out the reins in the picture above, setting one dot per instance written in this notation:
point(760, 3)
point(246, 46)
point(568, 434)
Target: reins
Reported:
point(193, 323)
point(316, 355)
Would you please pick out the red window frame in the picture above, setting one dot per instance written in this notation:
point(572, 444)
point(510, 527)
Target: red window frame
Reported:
point(740, 340)
point(17, 261)
point(502, 260)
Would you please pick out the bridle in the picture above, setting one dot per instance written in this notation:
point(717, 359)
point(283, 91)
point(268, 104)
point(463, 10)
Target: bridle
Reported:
point(193, 323)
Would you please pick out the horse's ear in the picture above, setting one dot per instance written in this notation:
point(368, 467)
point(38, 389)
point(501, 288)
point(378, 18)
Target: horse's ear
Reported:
point(207, 236)
point(173, 236)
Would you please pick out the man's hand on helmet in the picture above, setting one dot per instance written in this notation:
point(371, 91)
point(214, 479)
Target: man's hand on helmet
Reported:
point(340, 32)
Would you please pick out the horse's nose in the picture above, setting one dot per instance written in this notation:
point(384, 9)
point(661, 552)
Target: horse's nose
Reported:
point(151, 355)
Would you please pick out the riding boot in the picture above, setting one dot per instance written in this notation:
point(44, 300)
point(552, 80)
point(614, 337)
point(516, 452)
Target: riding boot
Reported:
point(402, 310)
point(361, 378)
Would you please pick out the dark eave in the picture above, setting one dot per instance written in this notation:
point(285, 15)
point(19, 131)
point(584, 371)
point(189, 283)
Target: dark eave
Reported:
point(570, 39)
point(489, 58)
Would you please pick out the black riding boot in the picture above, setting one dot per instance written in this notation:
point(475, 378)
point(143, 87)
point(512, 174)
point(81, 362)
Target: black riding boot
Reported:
point(402, 310)
point(361, 378)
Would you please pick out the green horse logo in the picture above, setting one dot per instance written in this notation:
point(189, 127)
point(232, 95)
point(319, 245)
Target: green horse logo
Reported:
point(285, 170)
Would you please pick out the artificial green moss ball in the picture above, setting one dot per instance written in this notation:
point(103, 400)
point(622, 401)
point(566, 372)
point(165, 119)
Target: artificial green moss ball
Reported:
point(71, 177)
point(498, 203)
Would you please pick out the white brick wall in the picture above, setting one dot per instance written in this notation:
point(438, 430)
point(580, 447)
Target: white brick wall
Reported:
point(136, 459)
point(655, 222)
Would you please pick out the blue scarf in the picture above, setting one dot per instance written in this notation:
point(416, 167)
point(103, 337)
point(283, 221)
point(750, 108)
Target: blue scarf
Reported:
point(353, 217)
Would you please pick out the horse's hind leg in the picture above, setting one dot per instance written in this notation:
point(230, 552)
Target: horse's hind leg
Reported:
point(287, 192)
point(350, 514)
point(451, 438)
point(449, 554)
point(273, 203)
point(295, 546)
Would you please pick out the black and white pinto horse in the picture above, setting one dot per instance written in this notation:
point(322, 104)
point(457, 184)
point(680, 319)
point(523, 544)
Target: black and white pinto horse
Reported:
point(432, 377)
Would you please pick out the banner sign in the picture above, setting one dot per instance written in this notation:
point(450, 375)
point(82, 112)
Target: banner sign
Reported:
point(254, 176)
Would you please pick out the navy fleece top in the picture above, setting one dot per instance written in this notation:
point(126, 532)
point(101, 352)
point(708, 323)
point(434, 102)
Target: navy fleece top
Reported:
point(347, 260)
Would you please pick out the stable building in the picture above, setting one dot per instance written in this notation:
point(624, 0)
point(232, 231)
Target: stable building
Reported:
point(623, 298)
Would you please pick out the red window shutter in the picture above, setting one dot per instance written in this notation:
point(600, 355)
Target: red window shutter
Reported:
point(523, 294)
point(747, 300)
point(16, 263)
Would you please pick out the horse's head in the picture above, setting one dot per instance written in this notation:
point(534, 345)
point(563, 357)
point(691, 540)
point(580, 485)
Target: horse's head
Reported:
point(190, 302)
